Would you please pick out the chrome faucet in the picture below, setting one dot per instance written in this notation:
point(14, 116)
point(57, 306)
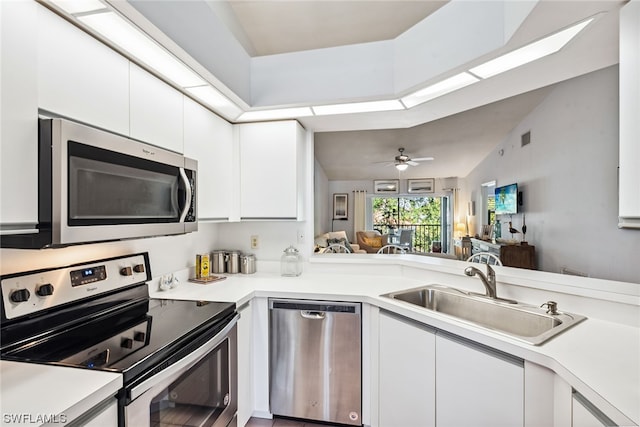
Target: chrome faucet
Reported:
point(489, 281)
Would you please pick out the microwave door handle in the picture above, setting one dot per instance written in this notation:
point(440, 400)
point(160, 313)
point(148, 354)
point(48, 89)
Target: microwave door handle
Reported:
point(187, 200)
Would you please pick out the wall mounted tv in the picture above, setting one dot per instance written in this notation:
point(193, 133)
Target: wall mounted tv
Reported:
point(506, 199)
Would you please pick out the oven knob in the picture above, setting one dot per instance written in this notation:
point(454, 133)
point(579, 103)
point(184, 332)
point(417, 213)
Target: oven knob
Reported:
point(126, 271)
point(44, 290)
point(20, 295)
point(138, 268)
point(126, 343)
point(139, 336)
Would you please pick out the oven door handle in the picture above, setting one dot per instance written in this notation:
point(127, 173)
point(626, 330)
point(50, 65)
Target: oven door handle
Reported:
point(184, 363)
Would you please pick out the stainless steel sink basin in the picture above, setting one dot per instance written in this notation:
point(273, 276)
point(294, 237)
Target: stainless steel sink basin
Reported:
point(524, 322)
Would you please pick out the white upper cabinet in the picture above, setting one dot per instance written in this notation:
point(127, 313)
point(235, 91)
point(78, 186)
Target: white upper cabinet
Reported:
point(209, 140)
point(79, 77)
point(19, 106)
point(271, 166)
point(477, 386)
point(156, 111)
point(629, 198)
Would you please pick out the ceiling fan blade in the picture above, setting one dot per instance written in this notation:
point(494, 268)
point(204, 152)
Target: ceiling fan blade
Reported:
point(422, 159)
point(386, 163)
point(412, 163)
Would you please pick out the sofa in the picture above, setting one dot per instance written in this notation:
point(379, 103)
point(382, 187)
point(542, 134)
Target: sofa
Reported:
point(370, 241)
point(323, 240)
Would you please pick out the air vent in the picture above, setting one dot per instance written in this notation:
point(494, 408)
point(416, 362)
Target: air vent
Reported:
point(525, 139)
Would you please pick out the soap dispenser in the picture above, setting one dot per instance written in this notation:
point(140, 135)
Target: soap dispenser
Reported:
point(291, 262)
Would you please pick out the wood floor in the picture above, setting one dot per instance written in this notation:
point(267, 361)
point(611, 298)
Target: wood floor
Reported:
point(280, 422)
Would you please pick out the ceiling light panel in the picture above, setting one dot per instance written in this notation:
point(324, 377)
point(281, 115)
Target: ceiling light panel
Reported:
point(282, 113)
point(358, 107)
point(79, 6)
point(140, 46)
point(441, 88)
point(216, 100)
point(529, 53)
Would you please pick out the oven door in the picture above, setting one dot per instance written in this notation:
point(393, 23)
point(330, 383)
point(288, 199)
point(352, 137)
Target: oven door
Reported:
point(111, 187)
point(198, 390)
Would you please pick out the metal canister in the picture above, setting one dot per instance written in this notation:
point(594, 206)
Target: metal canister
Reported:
point(219, 261)
point(247, 264)
point(233, 262)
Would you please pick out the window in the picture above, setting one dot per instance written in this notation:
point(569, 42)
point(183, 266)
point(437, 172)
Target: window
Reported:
point(427, 216)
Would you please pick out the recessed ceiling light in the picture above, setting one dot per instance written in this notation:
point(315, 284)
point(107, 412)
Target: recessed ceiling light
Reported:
point(79, 6)
point(358, 107)
point(530, 52)
point(282, 113)
point(140, 46)
point(216, 100)
point(438, 89)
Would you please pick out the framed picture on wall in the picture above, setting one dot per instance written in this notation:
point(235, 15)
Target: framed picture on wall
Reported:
point(340, 206)
point(386, 186)
point(421, 186)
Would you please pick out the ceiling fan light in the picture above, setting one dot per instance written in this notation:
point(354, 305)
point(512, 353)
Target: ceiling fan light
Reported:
point(401, 166)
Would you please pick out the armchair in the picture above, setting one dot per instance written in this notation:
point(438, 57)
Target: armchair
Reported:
point(370, 241)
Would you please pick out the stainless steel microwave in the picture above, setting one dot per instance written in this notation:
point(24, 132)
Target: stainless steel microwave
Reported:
point(97, 186)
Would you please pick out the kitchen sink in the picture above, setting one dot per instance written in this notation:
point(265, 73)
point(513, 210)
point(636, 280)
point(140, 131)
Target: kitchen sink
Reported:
point(523, 322)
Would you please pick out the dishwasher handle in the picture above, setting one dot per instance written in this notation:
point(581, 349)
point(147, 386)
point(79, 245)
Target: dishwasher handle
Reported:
point(313, 315)
point(315, 306)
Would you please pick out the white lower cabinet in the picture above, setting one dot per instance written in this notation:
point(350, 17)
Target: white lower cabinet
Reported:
point(406, 373)
point(102, 415)
point(477, 386)
point(585, 414)
point(245, 364)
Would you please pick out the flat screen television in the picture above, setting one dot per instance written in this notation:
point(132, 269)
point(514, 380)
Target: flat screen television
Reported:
point(506, 199)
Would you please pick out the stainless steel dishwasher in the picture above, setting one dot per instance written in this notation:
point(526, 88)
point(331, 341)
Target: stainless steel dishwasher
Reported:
point(316, 360)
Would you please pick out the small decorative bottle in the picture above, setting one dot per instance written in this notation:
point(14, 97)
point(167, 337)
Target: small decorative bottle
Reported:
point(497, 230)
point(290, 262)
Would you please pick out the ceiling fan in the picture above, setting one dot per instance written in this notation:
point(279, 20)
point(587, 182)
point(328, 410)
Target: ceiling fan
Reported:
point(402, 161)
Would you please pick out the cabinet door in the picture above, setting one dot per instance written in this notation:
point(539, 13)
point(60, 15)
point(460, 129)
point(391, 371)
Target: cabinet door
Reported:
point(477, 386)
point(270, 163)
point(156, 111)
point(629, 179)
point(406, 373)
point(245, 364)
point(19, 119)
point(209, 140)
point(585, 414)
point(79, 77)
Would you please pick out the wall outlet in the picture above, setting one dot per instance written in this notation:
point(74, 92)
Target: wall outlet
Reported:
point(254, 242)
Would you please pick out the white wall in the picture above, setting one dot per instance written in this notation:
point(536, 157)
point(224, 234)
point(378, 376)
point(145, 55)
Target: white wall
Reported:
point(322, 208)
point(167, 254)
point(568, 176)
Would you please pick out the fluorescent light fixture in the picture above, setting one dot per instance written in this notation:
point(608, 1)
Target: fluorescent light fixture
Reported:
point(216, 100)
point(438, 89)
point(401, 166)
point(79, 6)
point(139, 45)
point(282, 113)
point(530, 52)
point(358, 107)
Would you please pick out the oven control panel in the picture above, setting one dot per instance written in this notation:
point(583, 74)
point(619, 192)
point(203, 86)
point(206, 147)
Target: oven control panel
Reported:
point(31, 292)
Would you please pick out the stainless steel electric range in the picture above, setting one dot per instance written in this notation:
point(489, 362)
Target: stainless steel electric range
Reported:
point(177, 358)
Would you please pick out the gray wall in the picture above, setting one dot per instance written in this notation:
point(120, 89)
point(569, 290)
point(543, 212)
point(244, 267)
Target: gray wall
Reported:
point(568, 175)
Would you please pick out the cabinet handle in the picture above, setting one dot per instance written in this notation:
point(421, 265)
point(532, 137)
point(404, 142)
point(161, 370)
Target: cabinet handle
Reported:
point(313, 315)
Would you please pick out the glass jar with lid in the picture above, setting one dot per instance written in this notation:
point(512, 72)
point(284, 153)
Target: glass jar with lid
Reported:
point(291, 262)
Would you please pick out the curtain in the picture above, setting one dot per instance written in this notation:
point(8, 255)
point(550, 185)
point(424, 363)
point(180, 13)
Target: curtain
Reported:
point(359, 211)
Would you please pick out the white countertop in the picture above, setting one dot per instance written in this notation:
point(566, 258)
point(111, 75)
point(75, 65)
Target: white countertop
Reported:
point(34, 393)
point(599, 358)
